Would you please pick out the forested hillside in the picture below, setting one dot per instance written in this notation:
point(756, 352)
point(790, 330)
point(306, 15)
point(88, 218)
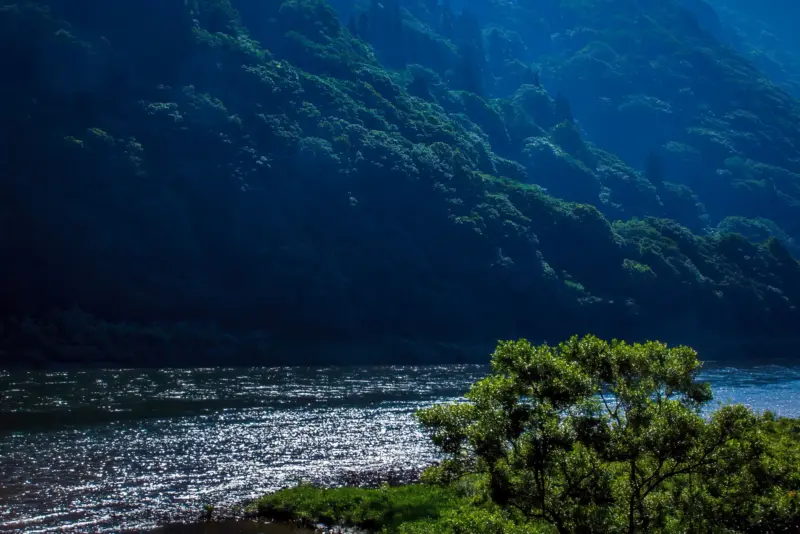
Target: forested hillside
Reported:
point(209, 181)
point(766, 33)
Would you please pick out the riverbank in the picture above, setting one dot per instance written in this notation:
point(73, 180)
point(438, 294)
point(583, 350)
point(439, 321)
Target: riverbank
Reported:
point(232, 527)
point(177, 439)
point(412, 508)
point(468, 506)
point(74, 340)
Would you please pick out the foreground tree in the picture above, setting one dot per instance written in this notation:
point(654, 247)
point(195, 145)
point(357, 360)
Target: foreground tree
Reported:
point(591, 436)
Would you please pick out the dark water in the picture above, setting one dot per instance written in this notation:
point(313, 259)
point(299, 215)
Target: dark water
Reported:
point(104, 451)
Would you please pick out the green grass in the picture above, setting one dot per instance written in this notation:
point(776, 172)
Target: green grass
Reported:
point(411, 509)
point(373, 509)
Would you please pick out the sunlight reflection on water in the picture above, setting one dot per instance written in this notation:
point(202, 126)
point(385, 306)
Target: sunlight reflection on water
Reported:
point(111, 450)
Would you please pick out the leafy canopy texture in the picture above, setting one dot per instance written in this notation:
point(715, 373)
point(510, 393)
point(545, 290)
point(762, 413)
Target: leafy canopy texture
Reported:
point(591, 436)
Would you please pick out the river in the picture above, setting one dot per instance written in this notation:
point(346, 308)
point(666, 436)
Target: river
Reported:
point(115, 450)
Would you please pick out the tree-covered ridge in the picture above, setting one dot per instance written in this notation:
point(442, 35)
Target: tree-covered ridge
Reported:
point(166, 166)
point(766, 34)
point(719, 124)
point(644, 77)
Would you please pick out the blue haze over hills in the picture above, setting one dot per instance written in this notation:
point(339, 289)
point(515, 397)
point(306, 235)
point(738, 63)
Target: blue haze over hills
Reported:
point(257, 181)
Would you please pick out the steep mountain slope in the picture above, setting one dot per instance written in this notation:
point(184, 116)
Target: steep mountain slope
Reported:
point(665, 84)
point(766, 32)
point(645, 78)
point(162, 166)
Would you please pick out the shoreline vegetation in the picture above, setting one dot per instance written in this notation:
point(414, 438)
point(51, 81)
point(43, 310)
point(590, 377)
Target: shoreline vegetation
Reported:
point(78, 339)
point(229, 526)
point(585, 436)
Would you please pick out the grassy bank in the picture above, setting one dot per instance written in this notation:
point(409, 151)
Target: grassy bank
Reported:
point(419, 508)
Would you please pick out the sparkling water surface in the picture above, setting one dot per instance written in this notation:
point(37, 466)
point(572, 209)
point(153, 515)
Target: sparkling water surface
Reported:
point(111, 450)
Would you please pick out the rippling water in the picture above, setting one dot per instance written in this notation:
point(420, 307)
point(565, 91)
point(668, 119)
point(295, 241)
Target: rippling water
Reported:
point(104, 451)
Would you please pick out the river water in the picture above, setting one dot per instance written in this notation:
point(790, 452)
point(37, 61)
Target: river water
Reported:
point(111, 450)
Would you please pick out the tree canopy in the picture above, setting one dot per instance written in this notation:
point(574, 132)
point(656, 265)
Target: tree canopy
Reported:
point(596, 436)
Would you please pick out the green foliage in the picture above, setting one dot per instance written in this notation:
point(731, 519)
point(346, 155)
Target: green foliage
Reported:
point(758, 230)
point(583, 437)
point(758, 496)
point(272, 174)
point(638, 84)
point(590, 436)
point(638, 270)
point(412, 509)
point(366, 508)
point(766, 36)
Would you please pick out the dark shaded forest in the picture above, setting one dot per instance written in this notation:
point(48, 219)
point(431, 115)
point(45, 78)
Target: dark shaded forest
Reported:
point(245, 181)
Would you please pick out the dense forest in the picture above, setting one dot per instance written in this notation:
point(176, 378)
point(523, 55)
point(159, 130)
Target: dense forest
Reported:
point(765, 32)
point(242, 181)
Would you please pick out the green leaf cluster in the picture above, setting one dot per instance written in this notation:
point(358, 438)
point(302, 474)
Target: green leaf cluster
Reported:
point(591, 436)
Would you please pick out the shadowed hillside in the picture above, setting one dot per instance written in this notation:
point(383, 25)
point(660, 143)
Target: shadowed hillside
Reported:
point(211, 182)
